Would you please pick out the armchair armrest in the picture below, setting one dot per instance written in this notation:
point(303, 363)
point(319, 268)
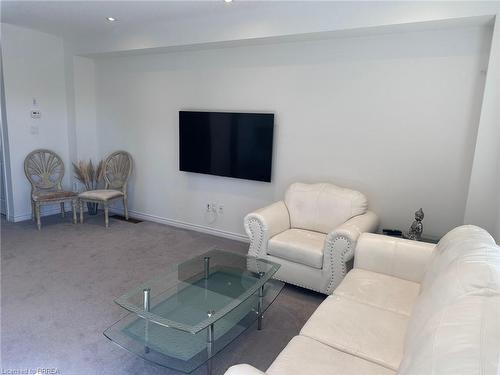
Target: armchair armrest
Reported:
point(340, 244)
point(265, 223)
point(393, 256)
point(243, 369)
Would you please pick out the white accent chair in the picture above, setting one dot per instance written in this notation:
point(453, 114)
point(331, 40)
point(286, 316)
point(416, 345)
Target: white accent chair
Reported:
point(45, 170)
point(117, 170)
point(407, 308)
point(312, 233)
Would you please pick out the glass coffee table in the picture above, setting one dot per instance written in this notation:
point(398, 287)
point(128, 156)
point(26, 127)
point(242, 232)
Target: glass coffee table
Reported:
point(186, 315)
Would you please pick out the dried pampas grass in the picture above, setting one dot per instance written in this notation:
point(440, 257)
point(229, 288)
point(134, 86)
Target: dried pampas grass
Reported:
point(88, 174)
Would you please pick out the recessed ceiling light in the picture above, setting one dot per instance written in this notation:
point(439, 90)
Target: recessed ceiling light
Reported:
point(228, 1)
point(111, 19)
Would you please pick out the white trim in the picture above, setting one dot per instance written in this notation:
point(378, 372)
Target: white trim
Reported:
point(46, 211)
point(184, 225)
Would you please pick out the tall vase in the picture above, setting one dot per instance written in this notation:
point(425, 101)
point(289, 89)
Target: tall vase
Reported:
point(92, 208)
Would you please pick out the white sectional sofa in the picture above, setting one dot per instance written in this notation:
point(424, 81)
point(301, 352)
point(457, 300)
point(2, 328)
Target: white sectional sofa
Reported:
point(406, 307)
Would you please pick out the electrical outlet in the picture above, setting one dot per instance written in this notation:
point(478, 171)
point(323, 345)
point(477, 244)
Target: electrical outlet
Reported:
point(220, 210)
point(212, 207)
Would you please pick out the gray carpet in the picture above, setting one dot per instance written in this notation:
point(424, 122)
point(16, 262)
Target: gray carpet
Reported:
point(58, 287)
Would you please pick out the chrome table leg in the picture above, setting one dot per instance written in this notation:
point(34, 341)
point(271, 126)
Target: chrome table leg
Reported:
point(210, 348)
point(207, 267)
point(147, 307)
point(261, 304)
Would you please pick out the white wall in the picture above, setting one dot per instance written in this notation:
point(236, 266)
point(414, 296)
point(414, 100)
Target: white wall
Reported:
point(33, 64)
point(483, 201)
point(394, 116)
point(85, 108)
point(6, 195)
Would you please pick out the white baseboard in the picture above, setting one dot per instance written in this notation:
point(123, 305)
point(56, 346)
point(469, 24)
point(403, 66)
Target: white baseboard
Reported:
point(46, 211)
point(184, 225)
point(148, 217)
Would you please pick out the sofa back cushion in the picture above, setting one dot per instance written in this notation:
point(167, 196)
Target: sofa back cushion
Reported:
point(465, 267)
point(463, 240)
point(465, 261)
point(463, 338)
point(322, 207)
point(474, 273)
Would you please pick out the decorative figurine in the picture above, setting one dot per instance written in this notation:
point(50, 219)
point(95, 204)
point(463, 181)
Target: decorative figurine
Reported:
point(416, 229)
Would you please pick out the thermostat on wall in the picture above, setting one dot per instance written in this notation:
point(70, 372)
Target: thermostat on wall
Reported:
point(36, 114)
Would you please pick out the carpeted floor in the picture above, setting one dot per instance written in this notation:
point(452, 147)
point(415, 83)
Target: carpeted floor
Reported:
point(58, 287)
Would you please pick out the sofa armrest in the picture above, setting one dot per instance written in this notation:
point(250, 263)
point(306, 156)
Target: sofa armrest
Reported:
point(392, 256)
point(265, 223)
point(243, 369)
point(340, 244)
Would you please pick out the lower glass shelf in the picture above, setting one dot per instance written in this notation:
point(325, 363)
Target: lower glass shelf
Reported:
point(181, 350)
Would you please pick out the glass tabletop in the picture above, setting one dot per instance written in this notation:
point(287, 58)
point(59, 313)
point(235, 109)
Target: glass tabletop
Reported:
point(195, 294)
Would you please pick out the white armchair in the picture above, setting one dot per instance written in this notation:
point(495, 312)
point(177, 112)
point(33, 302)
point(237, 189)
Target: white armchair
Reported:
point(312, 233)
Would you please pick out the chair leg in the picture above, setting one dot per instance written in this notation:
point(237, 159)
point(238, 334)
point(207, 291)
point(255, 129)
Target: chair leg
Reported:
point(37, 214)
point(106, 215)
point(62, 209)
point(81, 212)
point(125, 207)
point(73, 210)
point(33, 213)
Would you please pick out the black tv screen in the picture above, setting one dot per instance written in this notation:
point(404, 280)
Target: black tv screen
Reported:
point(227, 144)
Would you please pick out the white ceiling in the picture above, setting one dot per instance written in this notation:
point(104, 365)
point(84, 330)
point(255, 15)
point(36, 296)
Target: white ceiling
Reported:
point(140, 24)
point(144, 25)
point(77, 19)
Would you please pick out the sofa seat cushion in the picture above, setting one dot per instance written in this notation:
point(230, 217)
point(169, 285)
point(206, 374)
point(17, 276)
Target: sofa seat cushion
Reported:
point(306, 356)
point(365, 331)
point(463, 338)
point(300, 246)
point(101, 195)
point(379, 290)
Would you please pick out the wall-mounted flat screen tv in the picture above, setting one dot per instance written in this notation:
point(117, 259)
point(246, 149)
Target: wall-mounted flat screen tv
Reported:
point(227, 144)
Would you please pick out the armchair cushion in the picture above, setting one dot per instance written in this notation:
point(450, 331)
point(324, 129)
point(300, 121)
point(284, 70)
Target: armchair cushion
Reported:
point(322, 207)
point(102, 195)
point(300, 246)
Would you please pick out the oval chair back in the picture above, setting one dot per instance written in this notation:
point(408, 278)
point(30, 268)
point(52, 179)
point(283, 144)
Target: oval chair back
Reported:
point(117, 170)
point(44, 170)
